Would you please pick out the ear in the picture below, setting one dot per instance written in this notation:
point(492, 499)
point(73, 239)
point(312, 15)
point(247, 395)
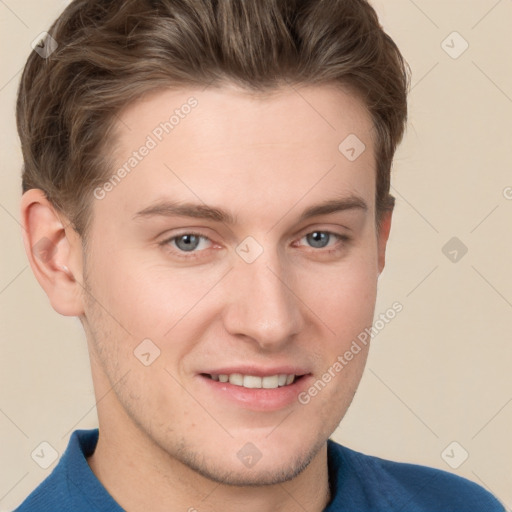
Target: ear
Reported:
point(54, 252)
point(382, 238)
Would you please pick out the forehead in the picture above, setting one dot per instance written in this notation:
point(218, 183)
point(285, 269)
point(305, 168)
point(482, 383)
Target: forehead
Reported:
point(226, 112)
point(225, 145)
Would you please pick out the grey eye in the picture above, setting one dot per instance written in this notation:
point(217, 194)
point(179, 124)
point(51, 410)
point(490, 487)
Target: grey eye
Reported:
point(318, 239)
point(187, 242)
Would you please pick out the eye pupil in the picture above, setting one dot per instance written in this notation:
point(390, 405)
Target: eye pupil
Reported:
point(318, 239)
point(190, 242)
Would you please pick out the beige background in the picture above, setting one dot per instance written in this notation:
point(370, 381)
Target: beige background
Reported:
point(440, 371)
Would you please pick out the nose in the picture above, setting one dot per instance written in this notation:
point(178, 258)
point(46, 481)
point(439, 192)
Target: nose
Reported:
point(262, 306)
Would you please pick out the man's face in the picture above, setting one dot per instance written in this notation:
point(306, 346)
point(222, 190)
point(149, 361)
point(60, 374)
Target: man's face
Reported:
point(257, 296)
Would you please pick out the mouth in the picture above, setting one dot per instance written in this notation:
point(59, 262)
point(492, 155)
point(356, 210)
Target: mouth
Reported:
point(280, 380)
point(256, 388)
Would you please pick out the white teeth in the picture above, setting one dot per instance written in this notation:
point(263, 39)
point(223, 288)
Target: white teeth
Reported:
point(236, 379)
point(254, 382)
point(270, 382)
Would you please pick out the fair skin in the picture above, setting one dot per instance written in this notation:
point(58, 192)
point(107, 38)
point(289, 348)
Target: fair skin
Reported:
point(170, 435)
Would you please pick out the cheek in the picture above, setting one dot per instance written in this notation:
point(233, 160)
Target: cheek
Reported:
point(152, 300)
point(147, 298)
point(344, 297)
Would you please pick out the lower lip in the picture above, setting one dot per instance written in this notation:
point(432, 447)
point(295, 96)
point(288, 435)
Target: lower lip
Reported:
point(259, 399)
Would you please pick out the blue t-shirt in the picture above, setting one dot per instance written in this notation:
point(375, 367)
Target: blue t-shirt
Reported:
point(358, 482)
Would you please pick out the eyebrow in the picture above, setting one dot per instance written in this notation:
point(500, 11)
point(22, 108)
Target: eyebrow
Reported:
point(203, 211)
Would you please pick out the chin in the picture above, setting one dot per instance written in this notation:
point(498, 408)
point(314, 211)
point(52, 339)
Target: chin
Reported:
point(269, 473)
point(250, 467)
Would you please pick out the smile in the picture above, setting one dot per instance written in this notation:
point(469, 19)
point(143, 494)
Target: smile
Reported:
point(254, 382)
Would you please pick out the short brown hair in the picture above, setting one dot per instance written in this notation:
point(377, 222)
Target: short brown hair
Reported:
point(110, 52)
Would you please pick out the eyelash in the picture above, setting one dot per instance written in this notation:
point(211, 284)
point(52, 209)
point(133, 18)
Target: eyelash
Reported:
point(342, 239)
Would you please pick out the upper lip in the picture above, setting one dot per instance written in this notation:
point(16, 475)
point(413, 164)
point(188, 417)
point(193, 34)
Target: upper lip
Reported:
point(258, 371)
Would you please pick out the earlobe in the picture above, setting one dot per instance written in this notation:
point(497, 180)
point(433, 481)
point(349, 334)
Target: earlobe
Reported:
point(54, 252)
point(382, 238)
